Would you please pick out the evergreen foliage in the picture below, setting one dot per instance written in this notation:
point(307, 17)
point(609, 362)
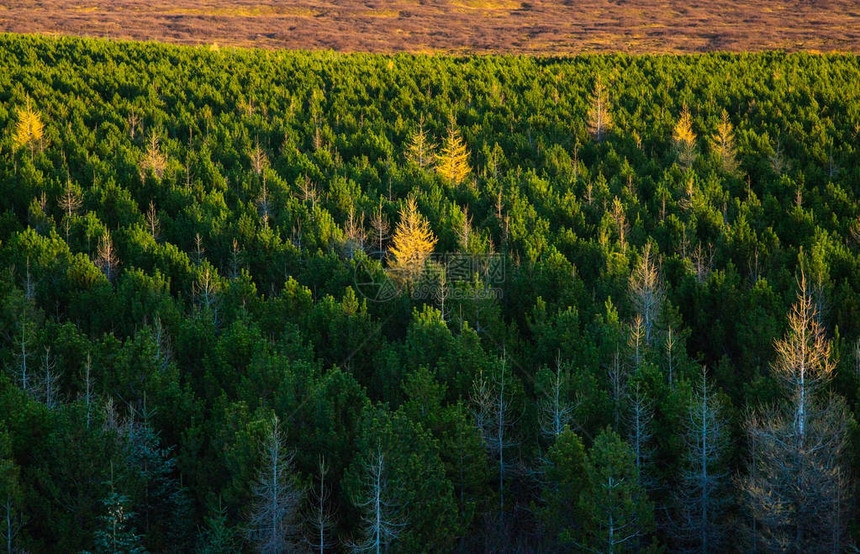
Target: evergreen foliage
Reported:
point(195, 241)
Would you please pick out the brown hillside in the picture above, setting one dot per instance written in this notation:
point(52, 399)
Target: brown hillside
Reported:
point(536, 26)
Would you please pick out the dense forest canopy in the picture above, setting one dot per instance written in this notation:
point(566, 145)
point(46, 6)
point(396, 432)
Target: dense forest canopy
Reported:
point(256, 300)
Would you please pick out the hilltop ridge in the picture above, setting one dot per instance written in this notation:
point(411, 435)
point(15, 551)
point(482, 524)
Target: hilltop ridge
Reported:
point(456, 26)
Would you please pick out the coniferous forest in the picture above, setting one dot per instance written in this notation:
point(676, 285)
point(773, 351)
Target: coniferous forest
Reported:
point(285, 301)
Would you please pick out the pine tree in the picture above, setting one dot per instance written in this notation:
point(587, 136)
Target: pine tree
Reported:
point(154, 160)
point(49, 380)
point(321, 516)
point(259, 160)
point(381, 227)
point(793, 489)
point(398, 484)
point(622, 227)
point(272, 523)
point(565, 472)
point(413, 244)
point(599, 116)
point(10, 493)
point(459, 442)
point(263, 204)
point(355, 233)
point(618, 377)
point(70, 202)
point(639, 419)
point(117, 533)
point(206, 289)
point(685, 139)
point(161, 504)
point(29, 129)
point(555, 407)
point(636, 341)
point(217, 536)
point(702, 495)
point(106, 257)
point(420, 150)
point(495, 415)
point(380, 524)
point(453, 161)
point(616, 511)
point(28, 318)
point(152, 221)
point(646, 293)
point(723, 144)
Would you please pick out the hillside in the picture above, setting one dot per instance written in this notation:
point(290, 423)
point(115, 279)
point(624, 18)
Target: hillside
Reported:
point(538, 26)
point(520, 301)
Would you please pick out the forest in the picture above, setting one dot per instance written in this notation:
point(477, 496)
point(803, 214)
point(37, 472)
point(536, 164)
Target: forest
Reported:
point(275, 301)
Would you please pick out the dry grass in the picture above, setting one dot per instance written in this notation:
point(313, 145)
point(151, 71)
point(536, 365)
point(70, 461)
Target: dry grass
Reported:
point(256, 11)
point(462, 26)
point(487, 5)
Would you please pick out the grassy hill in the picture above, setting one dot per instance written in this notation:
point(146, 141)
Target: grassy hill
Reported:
point(538, 26)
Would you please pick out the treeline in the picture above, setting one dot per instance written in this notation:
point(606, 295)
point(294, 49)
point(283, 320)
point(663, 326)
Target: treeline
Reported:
point(277, 301)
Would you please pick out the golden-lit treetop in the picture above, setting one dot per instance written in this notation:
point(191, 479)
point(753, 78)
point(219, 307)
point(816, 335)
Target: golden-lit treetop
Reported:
point(723, 142)
point(154, 159)
point(29, 130)
point(413, 243)
point(453, 162)
point(420, 150)
point(683, 133)
point(685, 138)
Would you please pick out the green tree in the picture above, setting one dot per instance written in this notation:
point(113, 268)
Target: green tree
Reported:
point(217, 536)
point(616, 512)
point(397, 482)
point(162, 510)
point(565, 479)
point(10, 493)
point(460, 447)
point(116, 533)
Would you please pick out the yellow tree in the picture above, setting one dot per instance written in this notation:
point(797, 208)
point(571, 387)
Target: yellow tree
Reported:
point(153, 160)
point(684, 138)
point(723, 142)
point(29, 130)
point(420, 149)
point(413, 243)
point(453, 162)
